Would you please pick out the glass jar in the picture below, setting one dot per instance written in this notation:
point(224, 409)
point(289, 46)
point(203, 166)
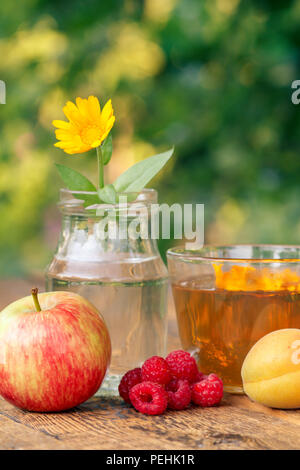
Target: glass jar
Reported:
point(228, 297)
point(123, 275)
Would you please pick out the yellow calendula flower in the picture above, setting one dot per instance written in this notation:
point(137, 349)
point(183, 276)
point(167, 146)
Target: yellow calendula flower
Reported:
point(88, 126)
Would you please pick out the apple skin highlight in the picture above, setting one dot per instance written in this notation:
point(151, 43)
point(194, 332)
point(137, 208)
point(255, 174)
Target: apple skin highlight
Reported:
point(54, 359)
point(271, 370)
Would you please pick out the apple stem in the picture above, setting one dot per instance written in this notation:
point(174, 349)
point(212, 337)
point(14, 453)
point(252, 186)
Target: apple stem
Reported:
point(34, 293)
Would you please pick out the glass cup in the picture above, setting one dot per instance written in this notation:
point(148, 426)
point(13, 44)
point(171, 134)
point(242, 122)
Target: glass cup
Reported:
point(121, 273)
point(228, 297)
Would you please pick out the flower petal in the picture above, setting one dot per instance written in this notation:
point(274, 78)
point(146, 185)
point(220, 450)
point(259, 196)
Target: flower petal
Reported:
point(61, 124)
point(82, 105)
point(63, 135)
point(107, 111)
point(94, 108)
point(72, 113)
point(96, 143)
point(110, 122)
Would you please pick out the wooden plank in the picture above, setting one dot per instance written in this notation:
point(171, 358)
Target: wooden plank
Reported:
point(109, 424)
point(16, 436)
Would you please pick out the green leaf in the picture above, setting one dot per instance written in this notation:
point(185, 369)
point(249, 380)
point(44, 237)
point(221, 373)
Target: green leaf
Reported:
point(130, 197)
point(107, 149)
point(75, 181)
point(108, 194)
point(137, 176)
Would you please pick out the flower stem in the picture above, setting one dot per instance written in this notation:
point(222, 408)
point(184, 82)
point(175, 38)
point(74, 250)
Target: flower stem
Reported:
point(34, 293)
point(100, 168)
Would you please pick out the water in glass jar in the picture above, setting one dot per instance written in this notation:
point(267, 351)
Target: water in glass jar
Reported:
point(135, 314)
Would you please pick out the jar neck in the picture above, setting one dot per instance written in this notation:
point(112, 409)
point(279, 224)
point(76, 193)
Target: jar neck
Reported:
point(105, 236)
point(108, 230)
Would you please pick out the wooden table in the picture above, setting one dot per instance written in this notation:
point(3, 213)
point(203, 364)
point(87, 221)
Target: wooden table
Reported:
point(110, 424)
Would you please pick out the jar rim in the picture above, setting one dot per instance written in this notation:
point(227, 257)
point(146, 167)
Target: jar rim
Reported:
point(239, 253)
point(69, 201)
point(145, 190)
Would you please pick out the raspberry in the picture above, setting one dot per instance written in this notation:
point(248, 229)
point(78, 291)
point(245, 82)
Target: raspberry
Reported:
point(182, 365)
point(208, 392)
point(149, 398)
point(129, 380)
point(179, 394)
point(156, 370)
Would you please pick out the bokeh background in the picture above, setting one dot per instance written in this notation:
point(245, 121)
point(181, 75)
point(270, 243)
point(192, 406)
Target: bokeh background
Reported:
point(212, 77)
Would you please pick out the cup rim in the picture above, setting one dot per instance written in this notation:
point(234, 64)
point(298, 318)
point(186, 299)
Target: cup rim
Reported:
point(196, 255)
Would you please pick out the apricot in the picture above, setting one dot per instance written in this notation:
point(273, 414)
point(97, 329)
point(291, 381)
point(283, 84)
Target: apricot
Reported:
point(271, 370)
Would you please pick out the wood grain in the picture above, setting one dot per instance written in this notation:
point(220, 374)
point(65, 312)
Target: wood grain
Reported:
point(110, 424)
point(103, 423)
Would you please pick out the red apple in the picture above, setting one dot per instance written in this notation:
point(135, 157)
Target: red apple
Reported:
point(54, 351)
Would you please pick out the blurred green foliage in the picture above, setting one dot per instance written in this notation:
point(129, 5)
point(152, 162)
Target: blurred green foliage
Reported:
point(212, 77)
